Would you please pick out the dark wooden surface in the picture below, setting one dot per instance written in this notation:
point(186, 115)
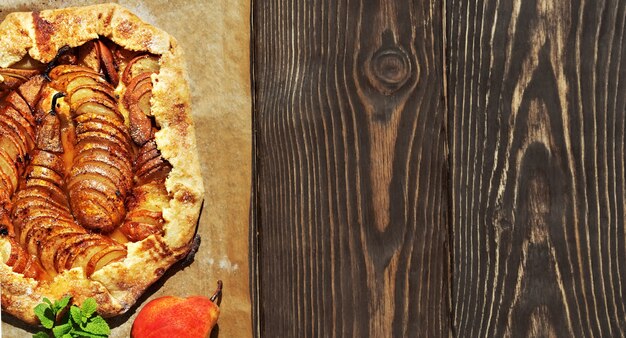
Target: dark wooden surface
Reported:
point(365, 226)
point(350, 199)
point(536, 107)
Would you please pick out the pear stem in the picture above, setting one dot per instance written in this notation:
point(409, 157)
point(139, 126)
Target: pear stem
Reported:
point(218, 291)
point(54, 101)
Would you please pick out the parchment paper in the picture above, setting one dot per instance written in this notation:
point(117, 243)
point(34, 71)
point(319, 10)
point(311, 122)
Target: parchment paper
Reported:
point(215, 37)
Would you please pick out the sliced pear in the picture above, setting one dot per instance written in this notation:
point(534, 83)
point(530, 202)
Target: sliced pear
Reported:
point(146, 63)
point(24, 203)
point(53, 245)
point(107, 152)
point(82, 256)
point(41, 172)
point(21, 261)
point(48, 160)
point(55, 191)
point(21, 106)
point(8, 169)
point(31, 90)
point(43, 194)
point(11, 131)
point(33, 269)
point(92, 208)
point(100, 125)
point(20, 125)
point(49, 134)
point(102, 169)
point(6, 181)
point(89, 93)
point(104, 257)
point(137, 231)
point(84, 79)
point(93, 106)
point(108, 64)
point(61, 70)
point(15, 252)
point(39, 231)
point(120, 127)
point(70, 247)
point(77, 78)
point(89, 55)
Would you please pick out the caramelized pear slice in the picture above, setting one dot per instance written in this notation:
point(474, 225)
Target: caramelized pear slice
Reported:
point(92, 105)
point(81, 79)
point(137, 103)
point(71, 246)
point(37, 231)
point(49, 134)
point(52, 189)
point(8, 169)
point(108, 64)
point(146, 63)
point(13, 136)
point(31, 91)
point(14, 77)
point(40, 193)
point(21, 259)
point(111, 129)
point(149, 164)
point(104, 257)
point(96, 202)
point(48, 160)
point(144, 216)
point(89, 55)
point(99, 94)
point(106, 152)
point(54, 244)
point(60, 70)
point(83, 255)
point(19, 125)
point(22, 262)
point(18, 74)
point(14, 254)
point(21, 106)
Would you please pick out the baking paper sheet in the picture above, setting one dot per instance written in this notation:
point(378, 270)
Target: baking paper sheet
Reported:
point(215, 37)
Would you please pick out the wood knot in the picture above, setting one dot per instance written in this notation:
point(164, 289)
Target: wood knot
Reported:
point(390, 68)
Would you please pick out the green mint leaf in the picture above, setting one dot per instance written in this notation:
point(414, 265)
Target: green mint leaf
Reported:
point(76, 315)
point(45, 314)
point(61, 330)
point(88, 308)
point(85, 334)
point(98, 326)
point(61, 303)
point(77, 322)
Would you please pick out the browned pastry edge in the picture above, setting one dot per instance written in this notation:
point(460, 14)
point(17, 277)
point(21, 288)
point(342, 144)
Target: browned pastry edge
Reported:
point(117, 286)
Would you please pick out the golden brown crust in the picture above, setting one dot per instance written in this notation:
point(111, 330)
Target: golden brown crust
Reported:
point(117, 286)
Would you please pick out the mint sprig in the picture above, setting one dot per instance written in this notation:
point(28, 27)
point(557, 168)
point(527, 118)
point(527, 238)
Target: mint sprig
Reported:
point(77, 322)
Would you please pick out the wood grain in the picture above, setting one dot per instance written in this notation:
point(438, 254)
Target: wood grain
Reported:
point(350, 197)
point(536, 99)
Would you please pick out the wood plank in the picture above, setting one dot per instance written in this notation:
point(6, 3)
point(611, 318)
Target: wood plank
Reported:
point(350, 199)
point(536, 99)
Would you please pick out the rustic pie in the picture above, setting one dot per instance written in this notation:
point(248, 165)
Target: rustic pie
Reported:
point(100, 186)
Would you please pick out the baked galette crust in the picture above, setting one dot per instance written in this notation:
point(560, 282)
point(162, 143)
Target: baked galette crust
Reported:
point(117, 286)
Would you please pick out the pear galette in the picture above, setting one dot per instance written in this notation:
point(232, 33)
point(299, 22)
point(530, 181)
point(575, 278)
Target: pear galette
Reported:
point(100, 185)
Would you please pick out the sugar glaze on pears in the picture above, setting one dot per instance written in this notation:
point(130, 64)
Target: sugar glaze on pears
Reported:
point(80, 173)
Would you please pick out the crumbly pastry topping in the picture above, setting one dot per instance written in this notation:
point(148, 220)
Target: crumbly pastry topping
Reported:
point(100, 185)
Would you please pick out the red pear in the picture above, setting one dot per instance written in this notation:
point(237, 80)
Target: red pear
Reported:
point(169, 316)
